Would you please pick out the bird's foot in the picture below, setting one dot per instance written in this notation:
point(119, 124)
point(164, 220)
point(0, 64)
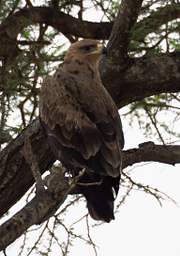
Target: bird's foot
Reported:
point(40, 188)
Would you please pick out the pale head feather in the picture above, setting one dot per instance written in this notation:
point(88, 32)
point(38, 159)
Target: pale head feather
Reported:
point(87, 49)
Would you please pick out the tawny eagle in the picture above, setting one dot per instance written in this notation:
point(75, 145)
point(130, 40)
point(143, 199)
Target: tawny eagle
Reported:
point(83, 126)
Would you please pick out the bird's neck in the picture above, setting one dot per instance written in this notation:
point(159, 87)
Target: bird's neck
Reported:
point(81, 67)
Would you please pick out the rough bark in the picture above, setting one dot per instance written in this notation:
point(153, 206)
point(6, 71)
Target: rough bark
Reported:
point(36, 211)
point(15, 174)
point(146, 76)
point(42, 207)
point(148, 151)
point(120, 35)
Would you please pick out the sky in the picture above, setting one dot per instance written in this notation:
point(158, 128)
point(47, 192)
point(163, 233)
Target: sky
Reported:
point(141, 227)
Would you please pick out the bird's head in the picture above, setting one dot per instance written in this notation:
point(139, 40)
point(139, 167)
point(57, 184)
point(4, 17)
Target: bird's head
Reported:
point(87, 49)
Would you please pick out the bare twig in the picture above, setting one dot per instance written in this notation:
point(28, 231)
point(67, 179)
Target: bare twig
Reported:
point(32, 161)
point(36, 211)
point(37, 240)
point(4, 252)
point(157, 194)
point(89, 236)
point(153, 120)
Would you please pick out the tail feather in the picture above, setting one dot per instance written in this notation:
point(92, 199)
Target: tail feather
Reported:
point(99, 194)
point(101, 210)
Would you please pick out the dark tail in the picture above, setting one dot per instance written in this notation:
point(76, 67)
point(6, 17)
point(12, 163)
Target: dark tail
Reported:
point(100, 193)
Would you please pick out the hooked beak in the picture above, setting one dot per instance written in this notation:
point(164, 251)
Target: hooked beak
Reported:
point(104, 50)
point(101, 49)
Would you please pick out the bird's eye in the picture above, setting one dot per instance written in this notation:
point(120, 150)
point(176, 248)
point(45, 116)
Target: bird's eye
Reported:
point(88, 48)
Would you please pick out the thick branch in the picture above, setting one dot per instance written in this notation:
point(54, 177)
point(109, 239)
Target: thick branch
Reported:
point(120, 35)
point(116, 62)
point(146, 76)
point(64, 23)
point(39, 208)
point(36, 211)
point(15, 174)
point(148, 151)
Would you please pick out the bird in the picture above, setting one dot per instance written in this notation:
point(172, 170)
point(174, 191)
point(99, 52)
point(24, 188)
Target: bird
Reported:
point(83, 126)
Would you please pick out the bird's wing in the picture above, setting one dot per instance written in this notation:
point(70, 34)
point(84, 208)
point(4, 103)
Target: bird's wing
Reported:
point(62, 113)
point(102, 111)
point(83, 117)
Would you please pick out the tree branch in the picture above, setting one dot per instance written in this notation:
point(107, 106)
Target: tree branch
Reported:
point(146, 76)
point(69, 25)
point(36, 210)
point(40, 208)
point(15, 174)
point(64, 23)
point(148, 151)
point(120, 35)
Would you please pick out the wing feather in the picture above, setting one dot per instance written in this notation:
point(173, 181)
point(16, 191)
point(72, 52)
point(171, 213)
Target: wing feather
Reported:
point(65, 118)
point(83, 117)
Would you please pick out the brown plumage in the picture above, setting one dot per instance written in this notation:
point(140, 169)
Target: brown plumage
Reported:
point(84, 127)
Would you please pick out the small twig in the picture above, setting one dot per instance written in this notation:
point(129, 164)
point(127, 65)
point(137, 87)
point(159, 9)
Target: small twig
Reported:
point(32, 161)
point(28, 3)
point(80, 13)
point(4, 252)
point(153, 120)
point(77, 221)
point(23, 244)
point(39, 42)
point(89, 236)
point(68, 205)
point(159, 195)
point(123, 198)
point(53, 236)
point(38, 239)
